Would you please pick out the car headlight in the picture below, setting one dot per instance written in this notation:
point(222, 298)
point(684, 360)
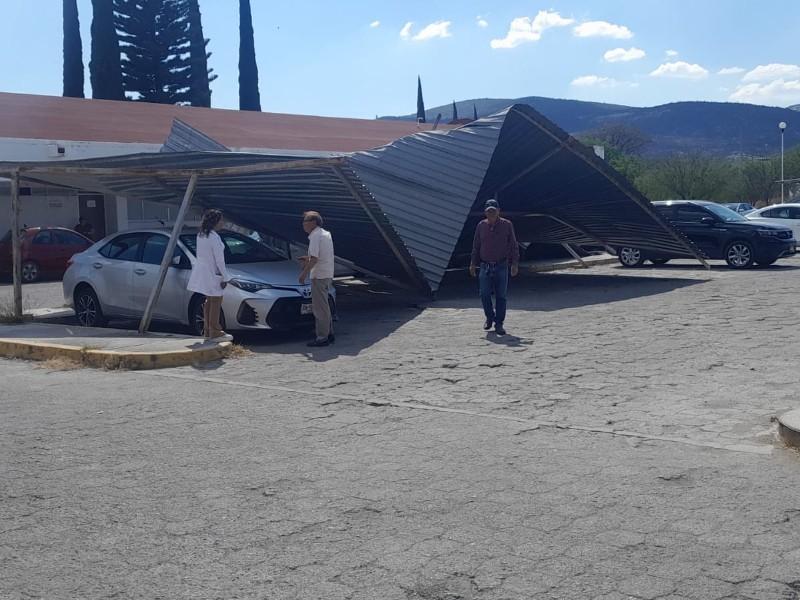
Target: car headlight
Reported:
point(768, 232)
point(249, 286)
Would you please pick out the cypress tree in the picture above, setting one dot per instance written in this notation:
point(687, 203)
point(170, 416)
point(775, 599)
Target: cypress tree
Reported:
point(249, 96)
point(154, 37)
point(474, 112)
point(201, 75)
point(420, 102)
point(73, 50)
point(104, 67)
point(455, 111)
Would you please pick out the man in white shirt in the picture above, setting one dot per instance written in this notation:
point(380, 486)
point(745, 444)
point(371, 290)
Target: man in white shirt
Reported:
point(319, 265)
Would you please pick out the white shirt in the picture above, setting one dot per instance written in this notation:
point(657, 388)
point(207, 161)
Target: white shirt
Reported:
point(209, 270)
point(320, 246)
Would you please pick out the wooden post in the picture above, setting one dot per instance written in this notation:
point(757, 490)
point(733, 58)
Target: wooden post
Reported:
point(16, 246)
point(167, 260)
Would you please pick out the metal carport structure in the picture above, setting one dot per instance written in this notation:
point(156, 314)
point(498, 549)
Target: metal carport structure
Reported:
point(400, 211)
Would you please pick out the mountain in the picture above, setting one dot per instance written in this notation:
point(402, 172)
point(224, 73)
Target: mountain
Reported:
point(795, 107)
point(718, 128)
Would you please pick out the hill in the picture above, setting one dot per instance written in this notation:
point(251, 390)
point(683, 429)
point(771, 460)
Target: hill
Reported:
point(718, 128)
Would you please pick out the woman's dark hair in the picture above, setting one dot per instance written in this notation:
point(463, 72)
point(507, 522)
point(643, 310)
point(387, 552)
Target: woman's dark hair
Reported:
point(210, 219)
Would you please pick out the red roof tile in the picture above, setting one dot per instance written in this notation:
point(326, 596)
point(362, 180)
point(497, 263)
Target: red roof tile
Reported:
point(76, 119)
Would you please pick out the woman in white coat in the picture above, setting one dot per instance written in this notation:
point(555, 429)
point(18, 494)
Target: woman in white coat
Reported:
point(209, 276)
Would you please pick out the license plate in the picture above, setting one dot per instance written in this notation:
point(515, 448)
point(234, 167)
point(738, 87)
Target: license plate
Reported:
point(306, 309)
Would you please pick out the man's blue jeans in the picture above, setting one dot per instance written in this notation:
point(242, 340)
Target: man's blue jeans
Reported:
point(493, 279)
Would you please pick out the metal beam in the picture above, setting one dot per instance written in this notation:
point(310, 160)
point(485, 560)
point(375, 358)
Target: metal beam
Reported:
point(399, 254)
point(530, 168)
point(166, 261)
point(16, 246)
point(262, 167)
point(622, 185)
point(574, 254)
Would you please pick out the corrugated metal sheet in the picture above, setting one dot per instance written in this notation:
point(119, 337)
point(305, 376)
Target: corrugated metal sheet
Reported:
point(185, 138)
point(406, 209)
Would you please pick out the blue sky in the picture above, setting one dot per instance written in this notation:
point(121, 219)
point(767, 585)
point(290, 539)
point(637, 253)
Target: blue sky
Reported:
point(361, 59)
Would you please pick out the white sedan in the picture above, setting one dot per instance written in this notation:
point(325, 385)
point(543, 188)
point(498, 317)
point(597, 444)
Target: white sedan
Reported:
point(114, 277)
point(787, 215)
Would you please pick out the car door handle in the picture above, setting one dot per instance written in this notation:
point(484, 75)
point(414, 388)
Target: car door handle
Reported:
point(140, 271)
point(98, 265)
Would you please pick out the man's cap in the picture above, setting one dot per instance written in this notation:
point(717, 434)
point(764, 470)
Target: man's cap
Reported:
point(491, 204)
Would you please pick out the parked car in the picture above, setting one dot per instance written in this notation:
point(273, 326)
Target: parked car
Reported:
point(719, 233)
point(114, 278)
point(740, 207)
point(787, 215)
point(45, 251)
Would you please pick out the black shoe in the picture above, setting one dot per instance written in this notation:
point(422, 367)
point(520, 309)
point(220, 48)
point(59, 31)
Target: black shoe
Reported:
point(487, 325)
point(318, 343)
point(498, 329)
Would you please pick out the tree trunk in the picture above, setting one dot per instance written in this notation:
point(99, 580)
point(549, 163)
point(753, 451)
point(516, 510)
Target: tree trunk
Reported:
point(104, 68)
point(73, 51)
point(249, 96)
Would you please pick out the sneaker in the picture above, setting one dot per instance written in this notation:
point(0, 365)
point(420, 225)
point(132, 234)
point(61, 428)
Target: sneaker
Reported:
point(498, 329)
point(223, 337)
point(487, 325)
point(318, 343)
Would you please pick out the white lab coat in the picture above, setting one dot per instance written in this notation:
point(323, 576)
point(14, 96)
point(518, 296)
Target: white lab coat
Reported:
point(209, 270)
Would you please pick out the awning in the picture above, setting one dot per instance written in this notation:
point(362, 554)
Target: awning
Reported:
point(404, 210)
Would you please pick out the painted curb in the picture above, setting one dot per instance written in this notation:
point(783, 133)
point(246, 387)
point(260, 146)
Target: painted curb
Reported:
point(111, 359)
point(789, 428)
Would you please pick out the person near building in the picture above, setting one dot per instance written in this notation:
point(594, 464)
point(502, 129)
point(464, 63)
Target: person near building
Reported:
point(209, 276)
point(85, 228)
point(318, 265)
point(495, 254)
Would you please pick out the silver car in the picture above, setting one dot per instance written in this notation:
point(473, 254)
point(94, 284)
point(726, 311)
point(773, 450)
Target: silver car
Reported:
point(114, 277)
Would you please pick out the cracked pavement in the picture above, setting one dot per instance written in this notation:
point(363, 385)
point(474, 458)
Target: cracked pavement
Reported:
point(618, 444)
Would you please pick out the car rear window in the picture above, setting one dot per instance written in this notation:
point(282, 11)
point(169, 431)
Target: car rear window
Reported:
point(123, 247)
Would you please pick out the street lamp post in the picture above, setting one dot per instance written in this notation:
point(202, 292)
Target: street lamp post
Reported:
point(782, 127)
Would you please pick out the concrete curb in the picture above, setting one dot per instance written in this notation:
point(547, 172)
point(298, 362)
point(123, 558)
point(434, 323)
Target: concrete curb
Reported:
point(789, 428)
point(111, 359)
point(546, 268)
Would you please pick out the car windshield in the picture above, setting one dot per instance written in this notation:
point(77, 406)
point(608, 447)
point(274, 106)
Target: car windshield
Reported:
point(238, 249)
point(725, 214)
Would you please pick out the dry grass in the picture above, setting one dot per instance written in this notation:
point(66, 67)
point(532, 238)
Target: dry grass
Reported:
point(60, 364)
point(237, 351)
point(7, 312)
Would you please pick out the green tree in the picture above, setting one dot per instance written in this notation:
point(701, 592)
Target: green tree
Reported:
point(154, 37)
point(420, 102)
point(105, 71)
point(455, 111)
point(201, 75)
point(249, 95)
point(682, 177)
point(759, 180)
point(73, 50)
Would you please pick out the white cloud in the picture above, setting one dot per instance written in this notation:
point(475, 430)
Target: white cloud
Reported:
point(672, 53)
point(525, 29)
point(482, 22)
point(594, 80)
point(774, 93)
point(731, 71)
point(680, 70)
point(375, 24)
point(439, 29)
point(602, 29)
point(772, 72)
point(405, 32)
point(622, 55)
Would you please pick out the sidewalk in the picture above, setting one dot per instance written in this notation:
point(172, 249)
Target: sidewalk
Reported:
point(106, 348)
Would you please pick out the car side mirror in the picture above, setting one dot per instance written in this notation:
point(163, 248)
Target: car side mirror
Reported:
point(708, 221)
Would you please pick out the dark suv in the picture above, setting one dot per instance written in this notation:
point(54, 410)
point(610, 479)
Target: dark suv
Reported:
point(719, 233)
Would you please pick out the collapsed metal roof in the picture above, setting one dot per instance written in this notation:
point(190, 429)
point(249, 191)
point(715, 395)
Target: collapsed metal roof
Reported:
point(402, 210)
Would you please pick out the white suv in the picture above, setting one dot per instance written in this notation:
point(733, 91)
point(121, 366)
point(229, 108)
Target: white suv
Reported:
point(114, 277)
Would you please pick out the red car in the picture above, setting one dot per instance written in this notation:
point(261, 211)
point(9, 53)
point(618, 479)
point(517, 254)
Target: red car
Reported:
point(45, 251)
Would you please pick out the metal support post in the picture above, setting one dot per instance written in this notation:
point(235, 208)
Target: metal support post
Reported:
point(168, 252)
point(16, 246)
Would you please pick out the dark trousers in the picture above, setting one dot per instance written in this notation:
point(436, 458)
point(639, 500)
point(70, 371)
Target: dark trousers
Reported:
point(493, 279)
